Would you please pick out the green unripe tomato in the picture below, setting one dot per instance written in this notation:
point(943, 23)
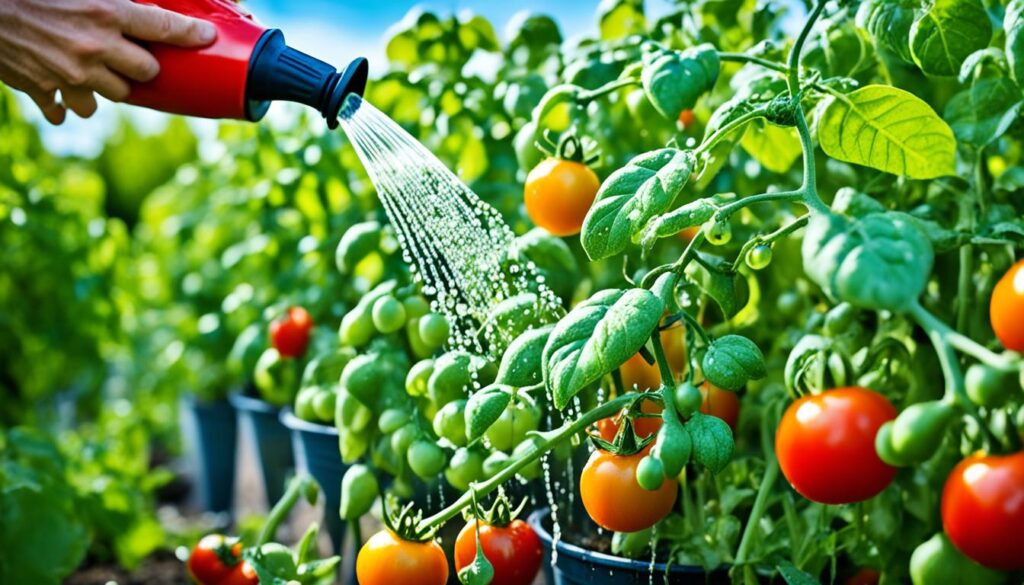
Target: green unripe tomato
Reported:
point(937, 562)
point(718, 233)
point(451, 378)
point(276, 377)
point(403, 438)
point(416, 379)
point(434, 330)
point(355, 416)
point(495, 462)
point(450, 422)
point(989, 387)
point(883, 446)
point(650, 473)
point(759, 257)
point(416, 306)
point(839, 319)
point(359, 488)
point(352, 445)
point(511, 427)
point(426, 459)
point(388, 314)
point(788, 304)
point(673, 447)
point(392, 419)
point(356, 328)
point(533, 469)
point(419, 349)
point(324, 402)
point(304, 404)
point(688, 398)
point(466, 467)
point(918, 430)
point(278, 560)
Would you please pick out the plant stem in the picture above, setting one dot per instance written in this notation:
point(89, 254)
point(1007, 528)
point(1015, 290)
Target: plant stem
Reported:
point(724, 131)
point(726, 211)
point(667, 378)
point(794, 54)
point(965, 296)
point(969, 346)
point(955, 390)
point(771, 473)
point(300, 485)
point(744, 58)
point(810, 184)
point(769, 238)
point(588, 96)
point(551, 439)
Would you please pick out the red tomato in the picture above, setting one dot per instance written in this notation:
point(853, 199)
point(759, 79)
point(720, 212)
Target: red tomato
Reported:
point(1007, 308)
point(644, 426)
point(687, 234)
point(614, 499)
point(983, 510)
point(826, 445)
point(243, 574)
point(558, 195)
point(864, 577)
point(686, 118)
point(721, 403)
point(290, 333)
point(513, 550)
point(386, 559)
point(213, 558)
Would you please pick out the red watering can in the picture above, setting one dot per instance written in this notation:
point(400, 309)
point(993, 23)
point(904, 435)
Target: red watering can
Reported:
point(246, 68)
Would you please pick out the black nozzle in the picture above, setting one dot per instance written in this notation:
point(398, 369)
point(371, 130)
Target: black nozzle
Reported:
point(279, 72)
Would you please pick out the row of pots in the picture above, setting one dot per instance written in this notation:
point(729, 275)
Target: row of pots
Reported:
point(284, 441)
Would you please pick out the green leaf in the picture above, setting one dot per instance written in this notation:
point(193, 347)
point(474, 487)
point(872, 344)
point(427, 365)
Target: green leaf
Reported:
point(632, 196)
point(620, 18)
point(1013, 24)
point(596, 337)
point(880, 261)
point(794, 576)
point(888, 23)
point(733, 360)
point(982, 113)
point(484, 408)
point(722, 285)
point(675, 80)
point(521, 364)
point(887, 129)
point(511, 317)
point(946, 33)
point(775, 147)
point(712, 441)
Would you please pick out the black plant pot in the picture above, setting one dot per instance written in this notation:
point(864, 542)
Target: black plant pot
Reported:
point(316, 454)
point(273, 441)
point(575, 565)
point(211, 427)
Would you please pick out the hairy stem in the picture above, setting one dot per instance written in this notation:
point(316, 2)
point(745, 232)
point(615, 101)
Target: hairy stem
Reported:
point(810, 184)
point(794, 54)
point(726, 211)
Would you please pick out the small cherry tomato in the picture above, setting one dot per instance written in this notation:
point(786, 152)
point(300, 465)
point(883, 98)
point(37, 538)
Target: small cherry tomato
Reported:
point(643, 425)
point(721, 403)
point(864, 577)
point(1007, 308)
point(559, 194)
point(614, 499)
point(289, 333)
point(983, 510)
point(514, 551)
point(686, 118)
point(826, 445)
point(687, 234)
point(243, 574)
point(386, 559)
point(213, 558)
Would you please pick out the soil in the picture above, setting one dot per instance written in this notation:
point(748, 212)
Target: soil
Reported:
point(162, 568)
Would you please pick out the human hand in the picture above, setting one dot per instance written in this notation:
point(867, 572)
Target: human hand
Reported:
point(83, 47)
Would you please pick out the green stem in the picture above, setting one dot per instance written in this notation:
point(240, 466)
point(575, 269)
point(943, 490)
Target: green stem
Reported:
point(810, 183)
point(955, 390)
point(726, 211)
point(969, 346)
point(965, 296)
point(771, 474)
point(769, 238)
point(667, 379)
point(298, 486)
point(794, 54)
point(724, 131)
point(551, 439)
point(744, 58)
point(588, 96)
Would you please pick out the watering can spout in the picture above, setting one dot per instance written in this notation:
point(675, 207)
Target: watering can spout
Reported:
point(245, 69)
point(279, 72)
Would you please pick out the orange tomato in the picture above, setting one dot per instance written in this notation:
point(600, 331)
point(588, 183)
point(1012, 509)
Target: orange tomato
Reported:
point(1006, 309)
point(614, 499)
point(386, 559)
point(558, 195)
point(686, 118)
point(644, 426)
point(721, 403)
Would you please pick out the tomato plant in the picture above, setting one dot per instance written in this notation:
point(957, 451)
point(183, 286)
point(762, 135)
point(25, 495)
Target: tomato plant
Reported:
point(289, 334)
point(608, 481)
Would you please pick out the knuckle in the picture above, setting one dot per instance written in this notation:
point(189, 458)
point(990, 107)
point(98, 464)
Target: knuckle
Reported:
point(87, 48)
point(101, 11)
point(76, 76)
point(165, 25)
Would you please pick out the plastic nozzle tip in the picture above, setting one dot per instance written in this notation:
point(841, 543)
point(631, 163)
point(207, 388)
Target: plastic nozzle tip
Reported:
point(353, 80)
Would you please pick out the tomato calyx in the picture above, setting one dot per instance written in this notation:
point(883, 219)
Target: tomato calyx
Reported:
point(404, 522)
point(568, 147)
point(500, 514)
point(626, 441)
point(227, 551)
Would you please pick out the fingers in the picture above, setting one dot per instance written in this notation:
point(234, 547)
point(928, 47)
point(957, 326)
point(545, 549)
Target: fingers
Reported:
point(79, 100)
point(149, 23)
point(109, 85)
point(132, 61)
point(47, 102)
